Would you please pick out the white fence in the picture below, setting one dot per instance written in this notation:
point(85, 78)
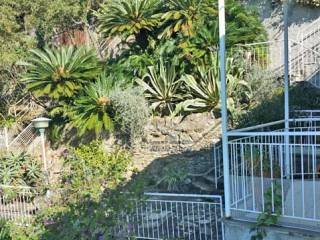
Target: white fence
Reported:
point(18, 204)
point(4, 141)
point(174, 216)
point(277, 170)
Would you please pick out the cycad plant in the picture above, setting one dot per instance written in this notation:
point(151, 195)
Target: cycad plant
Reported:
point(183, 15)
point(60, 72)
point(129, 17)
point(161, 86)
point(92, 109)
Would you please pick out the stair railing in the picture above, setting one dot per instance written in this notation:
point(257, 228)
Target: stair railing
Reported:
point(24, 138)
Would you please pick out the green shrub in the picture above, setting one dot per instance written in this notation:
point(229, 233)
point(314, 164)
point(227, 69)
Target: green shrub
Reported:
point(131, 112)
point(92, 195)
point(88, 169)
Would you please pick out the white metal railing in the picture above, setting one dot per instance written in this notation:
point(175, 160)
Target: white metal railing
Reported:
point(24, 138)
point(306, 113)
point(311, 35)
point(173, 216)
point(217, 163)
point(18, 203)
point(304, 61)
point(277, 170)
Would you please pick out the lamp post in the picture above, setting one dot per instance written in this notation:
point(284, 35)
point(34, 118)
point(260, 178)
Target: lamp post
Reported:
point(42, 124)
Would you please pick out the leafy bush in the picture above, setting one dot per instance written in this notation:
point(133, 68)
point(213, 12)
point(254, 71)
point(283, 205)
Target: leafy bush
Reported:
point(89, 169)
point(92, 196)
point(130, 112)
point(271, 108)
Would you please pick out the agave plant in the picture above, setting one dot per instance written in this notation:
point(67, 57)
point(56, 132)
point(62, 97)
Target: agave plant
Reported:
point(91, 111)
point(205, 87)
point(19, 169)
point(60, 72)
point(129, 17)
point(182, 16)
point(161, 85)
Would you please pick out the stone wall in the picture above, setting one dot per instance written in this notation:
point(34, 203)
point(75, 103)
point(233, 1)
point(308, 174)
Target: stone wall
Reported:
point(174, 135)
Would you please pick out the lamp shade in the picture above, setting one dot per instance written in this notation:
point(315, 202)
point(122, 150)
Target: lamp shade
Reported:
point(41, 123)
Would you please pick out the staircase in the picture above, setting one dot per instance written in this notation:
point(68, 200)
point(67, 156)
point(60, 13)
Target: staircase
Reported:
point(304, 56)
point(21, 142)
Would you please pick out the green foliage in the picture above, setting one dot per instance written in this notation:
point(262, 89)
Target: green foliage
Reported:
point(91, 110)
point(20, 169)
point(161, 85)
point(183, 15)
point(60, 72)
point(243, 25)
point(131, 112)
point(271, 214)
point(271, 107)
point(204, 88)
point(173, 178)
point(90, 170)
point(129, 17)
point(12, 231)
point(92, 198)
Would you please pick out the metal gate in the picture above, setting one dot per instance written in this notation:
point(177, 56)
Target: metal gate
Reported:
point(174, 216)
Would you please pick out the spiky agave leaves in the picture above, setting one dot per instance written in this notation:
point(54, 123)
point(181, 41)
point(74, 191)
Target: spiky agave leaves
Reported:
point(204, 87)
point(161, 87)
point(60, 72)
point(91, 111)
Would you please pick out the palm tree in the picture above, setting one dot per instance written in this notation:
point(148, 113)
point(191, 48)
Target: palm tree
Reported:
point(91, 111)
point(60, 72)
point(183, 15)
point(129, 17)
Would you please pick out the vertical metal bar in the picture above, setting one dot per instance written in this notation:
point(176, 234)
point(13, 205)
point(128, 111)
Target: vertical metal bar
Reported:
point(286, 86)
point(261, 172)
point(252, 179)
point(302, 181)
point(314, 180)
point(224, 114)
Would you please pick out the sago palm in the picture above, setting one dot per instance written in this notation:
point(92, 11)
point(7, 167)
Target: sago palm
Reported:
point(60, 72)
point(161, 85)
point(182, 16)
point(129, 17)
point(91, 111)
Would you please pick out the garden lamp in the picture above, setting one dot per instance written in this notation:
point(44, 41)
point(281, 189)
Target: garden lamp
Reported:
point(42, 124)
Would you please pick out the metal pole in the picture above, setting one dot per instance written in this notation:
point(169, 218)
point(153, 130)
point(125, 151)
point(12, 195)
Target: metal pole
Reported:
point(224, 114)
point(6, 136)
point(44, 158)
point(286, 88)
